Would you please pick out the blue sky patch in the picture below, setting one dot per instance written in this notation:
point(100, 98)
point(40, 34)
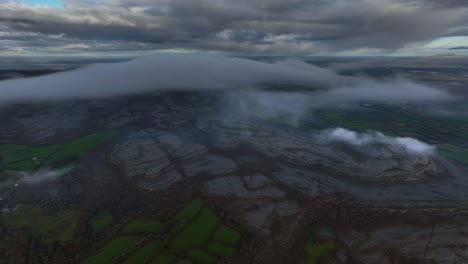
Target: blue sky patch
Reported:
point(52, 3)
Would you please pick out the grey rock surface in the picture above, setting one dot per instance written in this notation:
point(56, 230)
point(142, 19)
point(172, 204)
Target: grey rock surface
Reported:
point(234, 186)
point(144, 162)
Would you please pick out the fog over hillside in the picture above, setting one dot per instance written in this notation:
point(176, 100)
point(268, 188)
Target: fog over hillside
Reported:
point(202, 72)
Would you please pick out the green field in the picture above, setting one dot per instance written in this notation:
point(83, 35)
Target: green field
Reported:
point(200, 256)
point(183, 261)
point(145, 253)
point(454, 152)
point(143, 226)
point(221, 250)
point(314, 252)
point(164, 259)
point(101, 221)
point(115, 248)
point(184, 216)
point(197, 232)
point(26, 158)
point(227, 236)
point(45, 227)
point(193, 235)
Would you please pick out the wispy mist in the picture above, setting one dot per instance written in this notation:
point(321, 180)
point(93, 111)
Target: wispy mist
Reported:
point(40, 176)
point(35, 177)
point(410, 145)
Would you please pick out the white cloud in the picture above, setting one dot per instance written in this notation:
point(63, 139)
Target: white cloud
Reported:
point(410, 145)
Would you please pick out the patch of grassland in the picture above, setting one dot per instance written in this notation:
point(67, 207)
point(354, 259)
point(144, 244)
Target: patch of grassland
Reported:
point(25, 165)
point(16, 157)
point(114, 249)
point(164, 259)
point(401, 121)
point(12, 153)
point(80, 146)
point(227, 236)
point(47, 228)
point(314, 252)
point(101, 221)
point(183, 261)
point(143, 226)
point(20, 158)
point(192, 235)
point(197, 232)
point(145, 253)
point(454, 152)
point(201, 257)
point(221, 250)
point(184, 216)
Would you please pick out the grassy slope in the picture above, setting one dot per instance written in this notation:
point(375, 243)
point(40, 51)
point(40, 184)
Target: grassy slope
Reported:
point(193, 235)
point(143, 226)
point(114, 249)
point(47, 228)
point(20, 158)
point(101, 221)
point(196, 232)
point(227, 236)
point(314, 252)
point(145, 253)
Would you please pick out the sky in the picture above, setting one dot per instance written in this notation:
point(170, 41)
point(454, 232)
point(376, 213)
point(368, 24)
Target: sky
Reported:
point(241, 27)
point(52, 3)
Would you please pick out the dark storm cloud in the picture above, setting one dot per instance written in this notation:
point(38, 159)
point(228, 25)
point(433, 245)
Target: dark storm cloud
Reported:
point(260, 26)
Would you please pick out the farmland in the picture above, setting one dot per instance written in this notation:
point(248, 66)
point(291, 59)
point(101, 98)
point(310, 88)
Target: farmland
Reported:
point(193, 235)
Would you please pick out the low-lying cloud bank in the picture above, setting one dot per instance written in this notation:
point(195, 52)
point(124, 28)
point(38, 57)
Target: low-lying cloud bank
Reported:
point(410, 145)
point(161, 72)
point(202, 72)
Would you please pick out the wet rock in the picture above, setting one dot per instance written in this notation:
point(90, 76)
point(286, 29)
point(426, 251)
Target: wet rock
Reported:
point(440, 244)
point(325, 234)
point(286, 208)
point(159, 182)
point(257, 218)
point(256, 181)
point(208, 164)
point(142, 161)
point(189, 151)
point(234, 186)
point(300, 180)
point(41, 125)
point(375, 164)
point(170, 142)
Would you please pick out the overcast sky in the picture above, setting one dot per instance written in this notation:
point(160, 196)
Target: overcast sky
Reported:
point(238, 27)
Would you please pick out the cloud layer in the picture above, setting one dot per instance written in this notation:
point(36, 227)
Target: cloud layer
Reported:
point(199, 72)
point(410, 145)
point(245, 26)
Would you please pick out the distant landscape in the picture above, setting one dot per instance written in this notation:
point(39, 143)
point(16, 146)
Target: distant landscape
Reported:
point(233, 132)
point(192, 177)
